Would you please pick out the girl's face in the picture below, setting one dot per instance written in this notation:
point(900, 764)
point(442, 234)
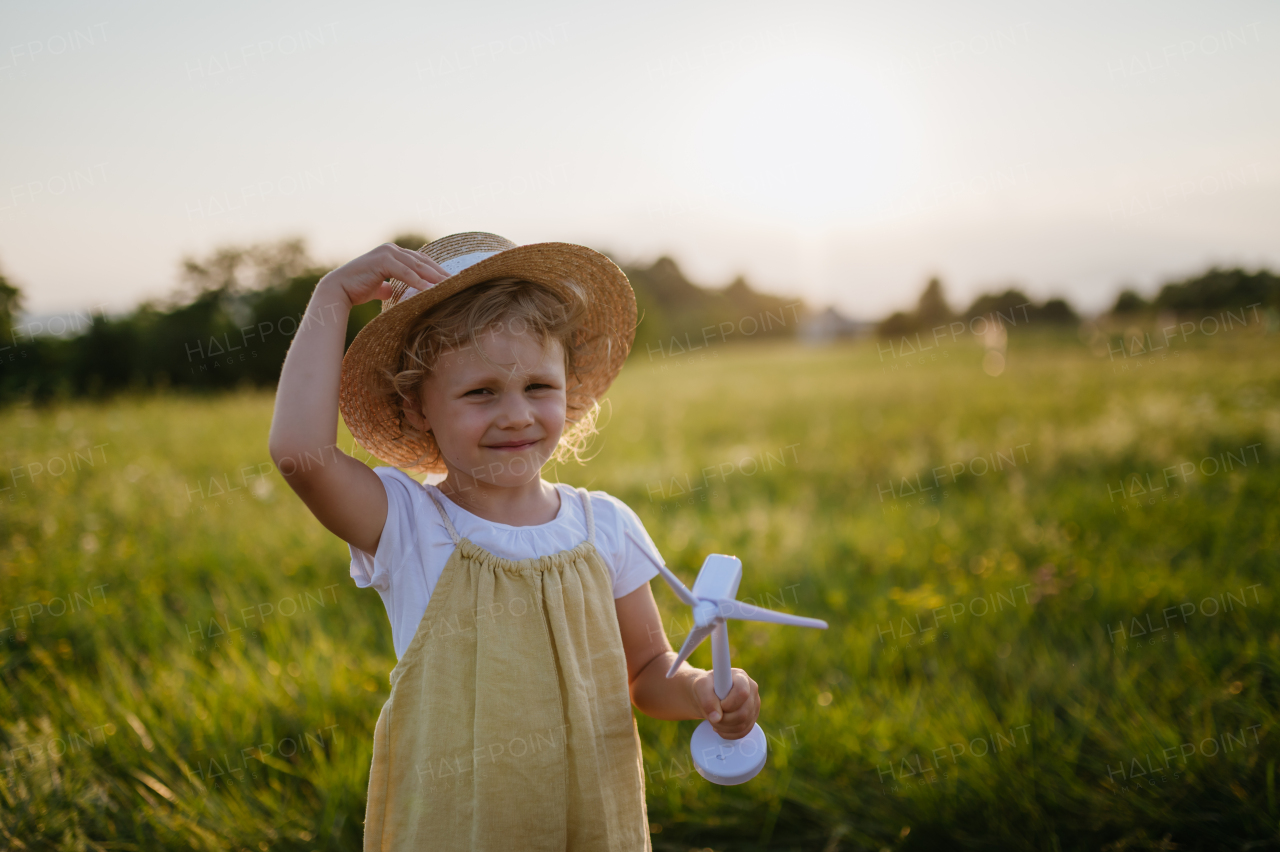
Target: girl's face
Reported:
point(497, 424)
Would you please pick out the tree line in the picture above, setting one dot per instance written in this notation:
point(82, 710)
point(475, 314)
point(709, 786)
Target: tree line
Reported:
point(231, 320)
point(1215, 289)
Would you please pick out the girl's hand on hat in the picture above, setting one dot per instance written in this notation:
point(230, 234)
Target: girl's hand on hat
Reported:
point(733, 717)
point(367, 276)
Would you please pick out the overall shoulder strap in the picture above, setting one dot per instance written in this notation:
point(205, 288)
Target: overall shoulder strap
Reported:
point(448, 524)
point(591, 521)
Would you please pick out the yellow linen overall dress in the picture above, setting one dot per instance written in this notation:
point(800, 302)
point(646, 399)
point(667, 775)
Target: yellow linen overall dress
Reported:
point(509, 722)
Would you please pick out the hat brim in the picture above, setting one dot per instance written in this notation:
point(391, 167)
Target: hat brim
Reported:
point(375, 421)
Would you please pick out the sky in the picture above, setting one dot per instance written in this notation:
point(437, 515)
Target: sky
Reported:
point(842, 152)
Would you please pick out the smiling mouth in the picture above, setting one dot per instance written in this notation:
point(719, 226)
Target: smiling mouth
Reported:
point(513, 445)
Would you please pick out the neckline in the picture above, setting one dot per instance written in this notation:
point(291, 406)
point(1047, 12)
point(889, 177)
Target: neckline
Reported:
point(469, 548)
point(560, 513)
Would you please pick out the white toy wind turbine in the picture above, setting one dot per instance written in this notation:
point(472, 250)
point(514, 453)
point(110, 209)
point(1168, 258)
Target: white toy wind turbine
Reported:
point(718, 760)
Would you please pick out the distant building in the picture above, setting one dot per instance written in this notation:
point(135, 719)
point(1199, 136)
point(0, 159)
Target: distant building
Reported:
point(828, 325)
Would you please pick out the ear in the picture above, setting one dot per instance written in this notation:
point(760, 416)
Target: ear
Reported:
point(415, 412)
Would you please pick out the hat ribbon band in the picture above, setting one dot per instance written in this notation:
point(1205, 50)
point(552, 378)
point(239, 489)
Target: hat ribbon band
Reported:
point(453, 266)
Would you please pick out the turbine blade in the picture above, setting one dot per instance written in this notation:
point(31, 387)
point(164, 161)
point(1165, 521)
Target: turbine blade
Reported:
point(676, 586)
point(727, 608)
point(693, 640)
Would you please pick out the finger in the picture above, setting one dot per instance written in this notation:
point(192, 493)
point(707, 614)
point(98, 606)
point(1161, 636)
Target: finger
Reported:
point(741, 721)
point(427, 267)
point(384, 291)
point(395, 269)
point(740, 692)
point(743, 718)
point(736, 698)
point(708, 701)
point(440, 270)
point(733, 730)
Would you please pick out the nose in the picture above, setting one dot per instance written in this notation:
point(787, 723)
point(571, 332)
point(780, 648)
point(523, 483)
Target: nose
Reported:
point(514, 412)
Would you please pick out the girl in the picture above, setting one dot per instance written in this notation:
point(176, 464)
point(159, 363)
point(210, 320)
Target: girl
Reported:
point(520, 610)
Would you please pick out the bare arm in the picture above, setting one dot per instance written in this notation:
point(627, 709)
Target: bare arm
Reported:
point(690, 693)
point(344, 495)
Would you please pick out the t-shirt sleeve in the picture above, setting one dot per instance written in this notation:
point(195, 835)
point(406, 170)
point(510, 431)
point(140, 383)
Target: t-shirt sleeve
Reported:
point(375, 569)
point(632, 555)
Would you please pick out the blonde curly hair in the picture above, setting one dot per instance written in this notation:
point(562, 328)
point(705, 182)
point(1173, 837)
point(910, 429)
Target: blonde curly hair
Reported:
point(460, 320)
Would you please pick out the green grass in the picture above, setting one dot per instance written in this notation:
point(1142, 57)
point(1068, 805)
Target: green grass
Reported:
point(121, 718)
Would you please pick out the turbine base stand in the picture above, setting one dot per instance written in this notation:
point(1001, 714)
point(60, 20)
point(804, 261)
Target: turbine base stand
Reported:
point(728, 762)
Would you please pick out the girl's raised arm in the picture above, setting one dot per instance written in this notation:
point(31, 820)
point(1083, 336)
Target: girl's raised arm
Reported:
point(344, 495)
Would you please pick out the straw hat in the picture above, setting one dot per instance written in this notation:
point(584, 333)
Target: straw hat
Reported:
point(474, 258)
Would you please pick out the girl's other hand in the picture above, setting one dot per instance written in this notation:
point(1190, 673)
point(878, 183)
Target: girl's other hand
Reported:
point(733, 717)
point(365, 277)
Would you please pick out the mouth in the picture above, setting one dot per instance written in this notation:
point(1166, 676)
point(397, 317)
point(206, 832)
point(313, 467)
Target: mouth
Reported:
point(513, 446)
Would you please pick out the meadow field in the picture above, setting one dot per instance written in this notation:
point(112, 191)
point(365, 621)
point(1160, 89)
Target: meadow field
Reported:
point(1052, 597)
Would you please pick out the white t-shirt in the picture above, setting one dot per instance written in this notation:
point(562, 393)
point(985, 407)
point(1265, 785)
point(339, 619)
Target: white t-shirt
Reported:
point(415, 545)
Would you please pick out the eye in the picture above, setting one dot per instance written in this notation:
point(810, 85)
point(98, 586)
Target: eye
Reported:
point(477, 391)
point(537, 386)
